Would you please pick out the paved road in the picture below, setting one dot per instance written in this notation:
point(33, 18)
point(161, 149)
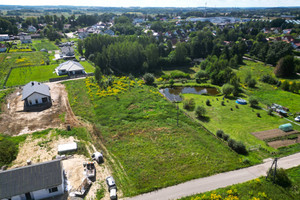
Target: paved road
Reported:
point(218, 181)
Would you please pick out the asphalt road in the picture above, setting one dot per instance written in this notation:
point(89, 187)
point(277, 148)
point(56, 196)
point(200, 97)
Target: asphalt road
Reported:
point(219, 180)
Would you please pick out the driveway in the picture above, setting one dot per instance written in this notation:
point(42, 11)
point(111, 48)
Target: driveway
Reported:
point(219, 180)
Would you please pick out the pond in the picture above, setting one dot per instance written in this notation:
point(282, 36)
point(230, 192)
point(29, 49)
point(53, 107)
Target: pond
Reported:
point(173, 93)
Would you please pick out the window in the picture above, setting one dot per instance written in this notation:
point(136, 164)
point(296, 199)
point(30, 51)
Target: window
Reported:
point(53, 190)
point(30, 102)
point(44, 99)
point(36, 101)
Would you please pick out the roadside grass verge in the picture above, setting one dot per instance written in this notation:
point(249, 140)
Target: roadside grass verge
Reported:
point(21, 76)
point(138, 128)
point(255, 189)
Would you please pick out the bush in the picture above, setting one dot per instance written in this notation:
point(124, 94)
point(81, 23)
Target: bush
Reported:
point(285, 86)
point(281, 178)
point(171, 82)
point(222, 103)
point(175, 75)
point(225, 137)
point(148, 78)
point(200, 74)
point(251, 83)
point(207, 102)
point(189, 104)
point(8, 152)
point(220, 133)
point(269, 79)
point(231, 143)
point(227, 89)
point(240, 148)
point(165, 76)
point(200, 111)
point(253, 101)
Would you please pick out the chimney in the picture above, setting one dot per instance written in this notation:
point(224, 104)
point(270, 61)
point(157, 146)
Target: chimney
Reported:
point(32, 83)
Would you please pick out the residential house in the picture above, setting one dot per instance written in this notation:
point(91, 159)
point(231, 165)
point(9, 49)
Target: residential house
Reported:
point(38, 181)
point(109, 32)
point(25, 39)
point(67, 52)
point(31, 29)
point(82, 35)
point(67, 26)
point(287, 31)
point(36, 94)
point(2, 48)
point(70, 68)
point(4, 37)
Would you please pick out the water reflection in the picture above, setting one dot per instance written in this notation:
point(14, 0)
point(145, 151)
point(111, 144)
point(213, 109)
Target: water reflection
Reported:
point(173, 93)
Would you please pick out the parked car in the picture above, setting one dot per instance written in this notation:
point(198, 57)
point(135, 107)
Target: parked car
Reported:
point(113, 194)
point(297, 119)
point(110, 181)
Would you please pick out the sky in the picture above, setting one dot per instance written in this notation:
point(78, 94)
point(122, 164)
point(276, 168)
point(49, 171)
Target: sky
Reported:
point(158, 3)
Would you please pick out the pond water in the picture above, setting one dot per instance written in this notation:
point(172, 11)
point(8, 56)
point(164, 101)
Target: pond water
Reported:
point(173, 93)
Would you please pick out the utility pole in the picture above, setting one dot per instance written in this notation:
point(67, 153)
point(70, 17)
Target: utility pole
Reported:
point(275, 168)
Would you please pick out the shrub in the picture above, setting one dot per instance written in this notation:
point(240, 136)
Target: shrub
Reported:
point(189, 104)
point(253, 101)
point(225, 137)
point(222, 103)
point(149, 78)
point(171, 82)
point(200, 74)
point(251, 83)
point(281, 177)
point(8, 152)
point(269, 79)
point(200, 111)
point(231, 143)
point(240, 148)
point(258, 114)
point(208, 102)
point(220, 133)
point(165, 76)
point(285, 86)
point(227, 89)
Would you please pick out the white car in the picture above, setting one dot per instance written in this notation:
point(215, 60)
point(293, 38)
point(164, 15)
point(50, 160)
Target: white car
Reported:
point(113, 194)
point(110, 181)
point(297, 119)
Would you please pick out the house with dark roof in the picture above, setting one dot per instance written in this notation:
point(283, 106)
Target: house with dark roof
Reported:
point(25, 39)
point(38, 181)
point(67, 52)
point(70, 68)
point(36, 94)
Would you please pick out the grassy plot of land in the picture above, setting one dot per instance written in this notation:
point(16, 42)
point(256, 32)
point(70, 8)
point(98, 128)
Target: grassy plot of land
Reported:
point(238, 122)
point(8, 60)
point(138, 127)
point(88, 67)
point(256, 189)
point(21, 76)
point(44, 44)
point(3, 94)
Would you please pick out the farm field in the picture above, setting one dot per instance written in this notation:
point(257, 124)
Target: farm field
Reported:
point(44, 44)
point(255, 189)
point(8, 60)
point(21, 76)
point(239, 122)
point(138, 128)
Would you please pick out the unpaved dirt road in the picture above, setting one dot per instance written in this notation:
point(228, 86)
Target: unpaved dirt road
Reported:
point(218, 181)
point(15, 121)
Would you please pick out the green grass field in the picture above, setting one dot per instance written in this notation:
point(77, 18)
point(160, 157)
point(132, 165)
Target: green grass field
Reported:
point(21, 76)
point(256, 189)
point(89, 68)
point(44, 44)
point(8, 60)
point(138, 127)
point(238, 123)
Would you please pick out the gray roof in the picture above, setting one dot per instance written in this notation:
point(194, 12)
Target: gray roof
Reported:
point(30, 178)
point(70, 66)
point(35, 87)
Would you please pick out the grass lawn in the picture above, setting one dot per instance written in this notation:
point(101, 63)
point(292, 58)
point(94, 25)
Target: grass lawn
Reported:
point(138, 128)
point(8, 60)
point(89, 68)
point(184, 69)
point(256, 189)
point(239, 122)
point(21, 76)
point(44, 44)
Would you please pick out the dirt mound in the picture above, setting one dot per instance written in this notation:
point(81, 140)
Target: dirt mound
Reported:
point(15, 121)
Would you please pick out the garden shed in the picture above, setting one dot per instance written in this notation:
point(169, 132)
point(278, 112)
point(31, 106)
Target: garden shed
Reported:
point(286, 127)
